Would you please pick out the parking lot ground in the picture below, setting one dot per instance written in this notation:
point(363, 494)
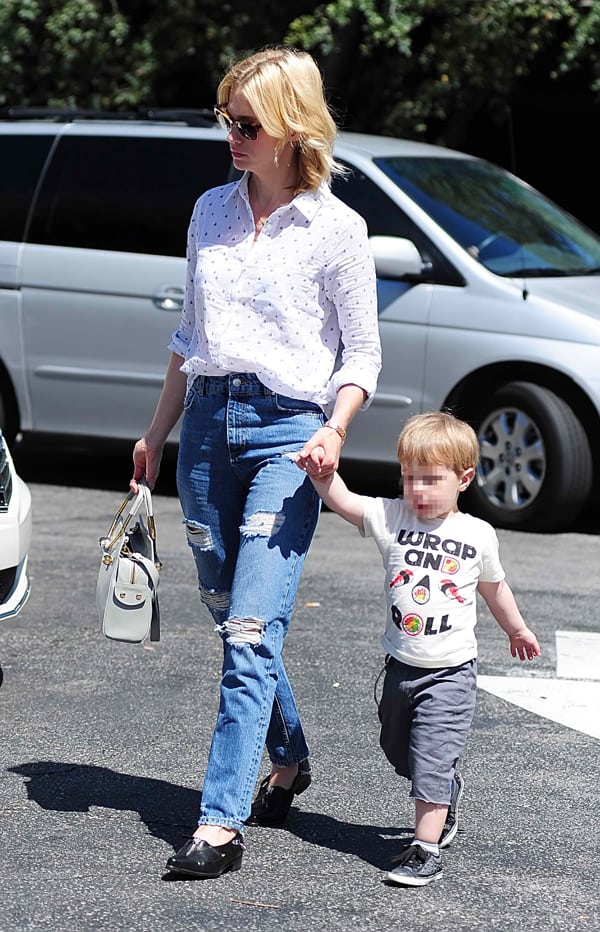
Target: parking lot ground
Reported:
point(103, 746)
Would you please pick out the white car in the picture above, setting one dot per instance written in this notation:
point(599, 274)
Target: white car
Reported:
point(15, 536)
point(488, 297)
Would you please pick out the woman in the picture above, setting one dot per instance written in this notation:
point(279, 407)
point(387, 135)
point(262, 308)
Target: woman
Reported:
point(279, 275)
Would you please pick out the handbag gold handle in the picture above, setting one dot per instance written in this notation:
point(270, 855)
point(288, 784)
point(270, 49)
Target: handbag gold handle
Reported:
point(114, 532)
point(119, 524)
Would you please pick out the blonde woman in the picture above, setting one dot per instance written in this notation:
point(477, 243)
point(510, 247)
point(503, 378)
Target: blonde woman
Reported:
point(280, 278)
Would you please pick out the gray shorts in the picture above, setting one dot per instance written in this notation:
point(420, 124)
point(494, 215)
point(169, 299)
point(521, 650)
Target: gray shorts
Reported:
point(426, 717)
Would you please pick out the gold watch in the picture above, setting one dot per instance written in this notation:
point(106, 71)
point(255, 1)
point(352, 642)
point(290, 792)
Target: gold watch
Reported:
point(340, 431)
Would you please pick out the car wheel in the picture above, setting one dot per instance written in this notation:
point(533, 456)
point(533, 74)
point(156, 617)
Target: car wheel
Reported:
point(535, 468)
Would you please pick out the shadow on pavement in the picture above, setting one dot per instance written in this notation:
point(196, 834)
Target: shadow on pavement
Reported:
point(94, 464)
point(107, 465)
point(86, 465)
point(375, 844)
point(169, 811)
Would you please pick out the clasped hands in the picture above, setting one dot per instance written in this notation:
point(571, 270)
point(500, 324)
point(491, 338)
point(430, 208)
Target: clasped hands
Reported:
point(320, 456)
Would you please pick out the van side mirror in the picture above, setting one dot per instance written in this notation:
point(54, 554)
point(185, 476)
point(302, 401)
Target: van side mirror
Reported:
point(396, 257)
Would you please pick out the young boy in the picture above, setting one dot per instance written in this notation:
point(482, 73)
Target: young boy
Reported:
point(436, 560)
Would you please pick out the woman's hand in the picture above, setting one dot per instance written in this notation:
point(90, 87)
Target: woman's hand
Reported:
point(320, 456)
point(148, 451)
point(146, 463)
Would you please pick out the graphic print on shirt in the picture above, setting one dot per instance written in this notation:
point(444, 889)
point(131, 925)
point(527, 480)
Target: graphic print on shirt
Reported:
point(432, 570)
point(400, 578)
point(439, 588)
point(421, 591)
point(449, 588)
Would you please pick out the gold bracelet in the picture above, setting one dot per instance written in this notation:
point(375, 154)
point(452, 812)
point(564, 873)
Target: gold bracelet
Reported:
point(340, 431)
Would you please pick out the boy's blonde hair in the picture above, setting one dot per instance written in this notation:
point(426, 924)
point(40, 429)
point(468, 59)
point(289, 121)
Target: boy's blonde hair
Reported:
point(441, 438)
point(284, 87)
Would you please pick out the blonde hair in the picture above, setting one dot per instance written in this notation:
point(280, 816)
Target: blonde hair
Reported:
point(284, 87)
point(441, 438)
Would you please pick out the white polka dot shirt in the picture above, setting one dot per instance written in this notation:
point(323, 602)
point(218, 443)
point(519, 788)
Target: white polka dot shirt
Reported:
point(297, 306)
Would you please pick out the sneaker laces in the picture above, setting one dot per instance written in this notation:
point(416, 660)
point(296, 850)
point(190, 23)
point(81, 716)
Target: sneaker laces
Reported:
point(412, 853)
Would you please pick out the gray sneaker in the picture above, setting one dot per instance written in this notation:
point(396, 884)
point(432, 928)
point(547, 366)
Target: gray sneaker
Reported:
point(416, 867)
point(451, 827)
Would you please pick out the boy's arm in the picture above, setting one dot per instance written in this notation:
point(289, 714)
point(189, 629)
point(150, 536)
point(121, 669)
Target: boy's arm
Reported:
point(337, 496)
point(501, 603)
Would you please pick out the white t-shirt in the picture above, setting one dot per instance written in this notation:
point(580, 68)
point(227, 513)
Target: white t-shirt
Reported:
point(432, 571)
point(282, 304)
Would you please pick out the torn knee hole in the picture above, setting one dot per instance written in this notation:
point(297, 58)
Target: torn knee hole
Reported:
point(215, 598)
point(243, 630)
point(263, 523)
point(198, 535)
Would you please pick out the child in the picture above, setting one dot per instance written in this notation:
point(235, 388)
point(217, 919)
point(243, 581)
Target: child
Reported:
point(436, 560)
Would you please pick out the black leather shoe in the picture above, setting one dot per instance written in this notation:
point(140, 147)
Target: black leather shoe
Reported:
point(200, 859)
point(272, 803)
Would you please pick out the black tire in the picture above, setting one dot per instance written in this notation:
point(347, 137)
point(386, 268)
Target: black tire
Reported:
point(8, 422)
point(3, 424)
point(535, 470)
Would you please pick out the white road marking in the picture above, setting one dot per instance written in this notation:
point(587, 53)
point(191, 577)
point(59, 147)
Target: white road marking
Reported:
point(578, 655)
point(573, 703)
point(573, 698)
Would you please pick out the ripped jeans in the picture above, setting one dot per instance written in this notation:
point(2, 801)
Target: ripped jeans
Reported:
point(250, 515)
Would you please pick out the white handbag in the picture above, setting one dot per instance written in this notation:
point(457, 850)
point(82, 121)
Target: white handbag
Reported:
point(127, 586)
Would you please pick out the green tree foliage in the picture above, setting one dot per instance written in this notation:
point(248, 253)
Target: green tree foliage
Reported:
point(71, 53)
point(429, 67)
point(194, 41)
point(120, 54)
point(423, 68)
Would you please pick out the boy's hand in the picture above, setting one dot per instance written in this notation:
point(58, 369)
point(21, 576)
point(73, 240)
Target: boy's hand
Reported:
point(312, 462)
point(524, 645)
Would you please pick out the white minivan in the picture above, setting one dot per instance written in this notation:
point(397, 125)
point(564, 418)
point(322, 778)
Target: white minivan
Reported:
point(489, 297)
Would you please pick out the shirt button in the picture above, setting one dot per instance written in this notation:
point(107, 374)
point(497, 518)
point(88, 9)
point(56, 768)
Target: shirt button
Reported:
point(236, 382)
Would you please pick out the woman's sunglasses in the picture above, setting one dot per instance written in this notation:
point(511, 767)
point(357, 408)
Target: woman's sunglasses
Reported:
point(247, 130)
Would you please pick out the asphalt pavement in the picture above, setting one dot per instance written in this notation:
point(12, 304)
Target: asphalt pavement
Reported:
point(103, 747)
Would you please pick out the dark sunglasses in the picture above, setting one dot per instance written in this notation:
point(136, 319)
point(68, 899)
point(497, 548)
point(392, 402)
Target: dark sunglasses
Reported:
point(247, 130)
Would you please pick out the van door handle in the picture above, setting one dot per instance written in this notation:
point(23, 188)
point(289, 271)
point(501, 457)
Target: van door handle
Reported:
point(168, 298)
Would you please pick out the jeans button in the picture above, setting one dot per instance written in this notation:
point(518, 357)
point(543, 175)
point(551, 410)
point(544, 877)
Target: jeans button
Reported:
point(236, 382)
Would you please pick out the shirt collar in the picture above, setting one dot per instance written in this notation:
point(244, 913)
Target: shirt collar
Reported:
point(308, 202)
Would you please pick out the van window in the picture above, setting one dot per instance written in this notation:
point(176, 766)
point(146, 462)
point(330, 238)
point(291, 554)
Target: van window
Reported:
point(385, 218)
point(126, 194)
point(21, 161)
point(497, 218)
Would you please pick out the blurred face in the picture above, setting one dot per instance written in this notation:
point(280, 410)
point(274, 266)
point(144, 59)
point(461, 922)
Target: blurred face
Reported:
point(255, 155)
point(431, 491)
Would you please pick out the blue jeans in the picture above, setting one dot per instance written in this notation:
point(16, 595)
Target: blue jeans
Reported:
point(250, 515)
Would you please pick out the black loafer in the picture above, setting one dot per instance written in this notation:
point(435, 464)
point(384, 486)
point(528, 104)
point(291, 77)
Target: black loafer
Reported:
point(200, 859)
point(272, 803)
